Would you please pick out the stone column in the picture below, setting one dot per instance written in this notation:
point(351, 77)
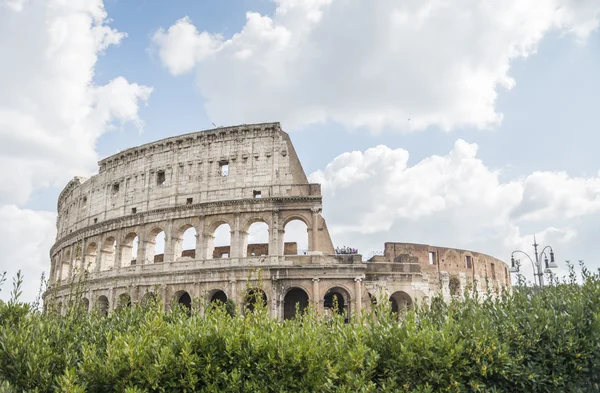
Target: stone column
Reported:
point(358, 297)
point(316, 295)
point(165, 296)
point(233, 297)
point(170, 239)
point(118, 255)
point(234, 245)
point(71, 260)
point(82, 263)
point(140, 258)
point(111, 300)
point(135, 296)
point(99, 255)
point(315, 229)
point(274, 234)
point(200, 242)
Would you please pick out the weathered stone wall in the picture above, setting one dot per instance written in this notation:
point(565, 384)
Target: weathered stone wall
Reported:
point(235, 176)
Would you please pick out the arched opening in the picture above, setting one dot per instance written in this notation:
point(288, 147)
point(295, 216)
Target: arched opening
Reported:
point(130, 249)
point(149, 298)
point(296, 300)
point(59, 308)
point(155, 248)
point(184, 299)
point(336, 301)
point(124, 301)
point(89, 260)
point(255, 297)
point(66, 262)
point(256, 240)
point(219, 297)
point(109, 247)
point(219, 244)
point(84, 305)
point(102, 305)
point(401, 302)
point(185, 242)
point(295, 237)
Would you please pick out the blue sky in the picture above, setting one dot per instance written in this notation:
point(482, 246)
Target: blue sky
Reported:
point(342, 77)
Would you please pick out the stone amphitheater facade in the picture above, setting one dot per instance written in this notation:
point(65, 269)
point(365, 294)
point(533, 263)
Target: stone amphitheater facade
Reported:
point(236, 176)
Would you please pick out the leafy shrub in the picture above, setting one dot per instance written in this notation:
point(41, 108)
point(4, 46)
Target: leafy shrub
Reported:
point(531, 340)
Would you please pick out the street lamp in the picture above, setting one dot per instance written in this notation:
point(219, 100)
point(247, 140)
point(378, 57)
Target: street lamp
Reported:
point(538, 268)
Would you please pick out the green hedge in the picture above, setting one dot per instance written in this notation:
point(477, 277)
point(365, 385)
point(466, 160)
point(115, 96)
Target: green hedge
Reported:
point(534, 340)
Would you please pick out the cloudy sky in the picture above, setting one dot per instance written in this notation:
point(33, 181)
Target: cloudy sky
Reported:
point(465, 123)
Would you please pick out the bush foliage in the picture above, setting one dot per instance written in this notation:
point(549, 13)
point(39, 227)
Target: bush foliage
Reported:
point(532, 340)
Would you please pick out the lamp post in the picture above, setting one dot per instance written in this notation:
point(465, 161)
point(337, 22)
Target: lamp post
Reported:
point(538, 268)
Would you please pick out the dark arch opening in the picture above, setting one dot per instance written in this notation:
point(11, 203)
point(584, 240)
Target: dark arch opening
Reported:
point(84, 305)
point(401, 302)
point(149, 298)
point(334, 301)
point(186, 301)
point(254, 298)
point(296, 297)
point(218, 297)
point(124, 301)
point(103, 306)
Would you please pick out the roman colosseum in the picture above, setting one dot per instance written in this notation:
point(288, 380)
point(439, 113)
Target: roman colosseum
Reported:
point(124, 230)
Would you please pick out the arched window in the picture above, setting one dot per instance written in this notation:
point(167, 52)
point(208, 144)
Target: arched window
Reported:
point(89, 260)
point(149, 298)
point(256, 242)
point(296, 300)
point(336, 301)
point(253, 298)
point(124, 301)
point(155, 248)
point(218, 297)
point(66, 262)
point(102, 305)
point(184, 299)
point(109, 247)
point(295, 238)
point(185, 242)
point(401, 302)
point(84, 305)
point(130, 249)
point(219, 245)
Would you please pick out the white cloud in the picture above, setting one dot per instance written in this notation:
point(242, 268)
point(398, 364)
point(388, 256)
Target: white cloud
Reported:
point(457, 201)
point(25, 240)
point(51, 114)
point(371, 64)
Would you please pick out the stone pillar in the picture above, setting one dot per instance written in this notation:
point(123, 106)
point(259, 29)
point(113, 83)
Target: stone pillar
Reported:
point(99, 255)
point(274, 235)
point(233, 297)
point(315, 230)
point(165, 296)
point(140, 258)
point(71, 259)
point(118, 256)
point(135, 296)
point(200, 242)
point(445, 282)
point(84, 245)
point(170, 239)
point(235, 250)
point(358, 297)
point(111, 300)
point(316, 295)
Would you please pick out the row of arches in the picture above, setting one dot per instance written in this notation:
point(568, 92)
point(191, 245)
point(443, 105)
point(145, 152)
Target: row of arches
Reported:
point(110, 252)
point(296, 300)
